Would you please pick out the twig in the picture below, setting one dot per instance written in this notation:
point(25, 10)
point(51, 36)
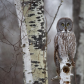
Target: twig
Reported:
point(55, 16)
point(9, 10)
point(5, 70)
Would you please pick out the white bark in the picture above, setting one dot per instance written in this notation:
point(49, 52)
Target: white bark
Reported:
point(24, 39)
point(34, 18)
point(65, 72)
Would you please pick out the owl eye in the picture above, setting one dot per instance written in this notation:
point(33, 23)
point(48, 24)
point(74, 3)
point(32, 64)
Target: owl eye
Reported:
point(62, 24)
point(68, 24)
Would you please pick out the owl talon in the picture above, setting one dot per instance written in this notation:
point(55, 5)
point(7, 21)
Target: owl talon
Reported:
point(60, 59)
point(54, 78)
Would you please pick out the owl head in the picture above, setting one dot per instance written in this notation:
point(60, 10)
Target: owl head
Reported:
point(64, 25)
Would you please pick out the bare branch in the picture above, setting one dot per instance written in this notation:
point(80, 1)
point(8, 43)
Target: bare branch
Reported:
point(55, 16)
point(5, 70)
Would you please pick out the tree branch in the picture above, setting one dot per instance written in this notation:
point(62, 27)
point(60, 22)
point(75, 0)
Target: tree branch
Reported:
point(55, 16)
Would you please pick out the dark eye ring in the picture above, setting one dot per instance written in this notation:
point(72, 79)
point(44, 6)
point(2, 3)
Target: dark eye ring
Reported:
point(62, 24)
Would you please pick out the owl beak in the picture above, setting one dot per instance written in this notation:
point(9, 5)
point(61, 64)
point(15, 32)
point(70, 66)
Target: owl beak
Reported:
point(66, 29)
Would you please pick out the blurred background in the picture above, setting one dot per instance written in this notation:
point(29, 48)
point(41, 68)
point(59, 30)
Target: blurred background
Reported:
point(11, 64)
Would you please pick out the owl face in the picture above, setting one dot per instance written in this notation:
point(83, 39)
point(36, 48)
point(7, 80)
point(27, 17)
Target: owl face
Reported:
point(64, 25)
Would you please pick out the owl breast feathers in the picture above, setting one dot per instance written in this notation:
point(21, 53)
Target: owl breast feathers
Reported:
point(65, 45)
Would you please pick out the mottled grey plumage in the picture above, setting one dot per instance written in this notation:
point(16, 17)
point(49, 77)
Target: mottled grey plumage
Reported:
point(64, 42)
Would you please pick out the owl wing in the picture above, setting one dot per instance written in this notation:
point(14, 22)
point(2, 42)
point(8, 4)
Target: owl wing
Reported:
point(72, 46)
point(55, 48)
point(56, 58)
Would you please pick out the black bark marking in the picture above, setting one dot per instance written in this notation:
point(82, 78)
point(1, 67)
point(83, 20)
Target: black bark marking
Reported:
point(29, 15)
point(32, 22)
point(35, 62)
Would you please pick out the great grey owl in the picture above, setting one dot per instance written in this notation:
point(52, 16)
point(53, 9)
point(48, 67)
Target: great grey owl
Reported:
point(64, 42)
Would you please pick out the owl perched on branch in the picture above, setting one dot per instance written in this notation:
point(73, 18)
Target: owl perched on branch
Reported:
point(64, 42)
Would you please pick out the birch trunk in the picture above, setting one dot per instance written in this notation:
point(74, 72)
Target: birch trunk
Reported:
point(33, 13)
point(65, 71)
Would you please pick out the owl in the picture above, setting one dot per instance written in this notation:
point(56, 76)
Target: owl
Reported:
point(64, 42)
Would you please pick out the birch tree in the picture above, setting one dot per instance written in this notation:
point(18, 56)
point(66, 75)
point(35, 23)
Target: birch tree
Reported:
point(33, 13)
